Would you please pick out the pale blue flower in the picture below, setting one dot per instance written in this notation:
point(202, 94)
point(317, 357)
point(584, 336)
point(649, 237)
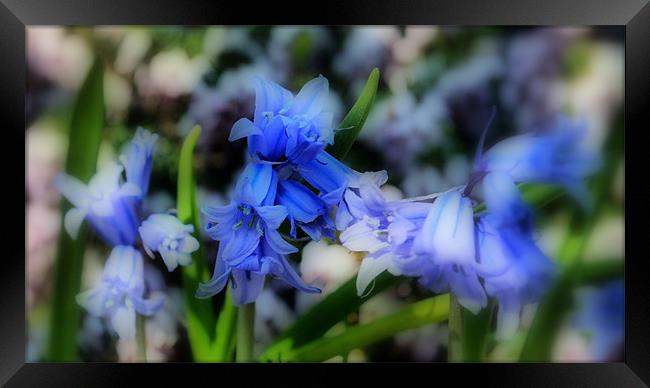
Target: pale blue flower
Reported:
point(384, 229)
point(515, 271)
point(138, 159)
point(552, 156)
point(247, 274)
point(447, 241)
point(106, 202)
point(165, 234)
point(121, 293)
point(287, 127)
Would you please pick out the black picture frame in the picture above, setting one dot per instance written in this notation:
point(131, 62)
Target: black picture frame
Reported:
point(634, 15)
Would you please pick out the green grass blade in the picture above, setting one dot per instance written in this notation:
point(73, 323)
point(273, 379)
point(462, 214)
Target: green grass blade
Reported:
point(324, 315)
point(199, 314)
point(353, 122)
point(85, 133)
point(558, 302)
point(425, 312)
point(226, 325)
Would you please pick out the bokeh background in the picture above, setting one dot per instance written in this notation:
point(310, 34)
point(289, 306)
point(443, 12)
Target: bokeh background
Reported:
point(437, 89)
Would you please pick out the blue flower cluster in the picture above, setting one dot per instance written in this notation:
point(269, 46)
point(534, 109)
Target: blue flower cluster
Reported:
point(290, 177)
point(448, 246)
point(111, 203)
point(439, 238)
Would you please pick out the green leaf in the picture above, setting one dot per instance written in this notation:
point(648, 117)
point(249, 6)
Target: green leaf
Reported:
point(353, 122)
point(226, 324)
point(334, 308)
point(85, 135)
point(468, 332)
point(559, 300)
point(425, 312)
point(199, 313)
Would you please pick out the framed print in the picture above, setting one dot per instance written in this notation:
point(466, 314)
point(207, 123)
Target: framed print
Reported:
point(432, 189)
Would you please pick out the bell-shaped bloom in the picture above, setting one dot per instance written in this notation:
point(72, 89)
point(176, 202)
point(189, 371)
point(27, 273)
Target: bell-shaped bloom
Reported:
point(384, 229)
point(106, 202)
point(447, 241)
point(165, 234)
point(305, 210)
point(247, 275)
point(287, 127)
point(138, 159)
point(240, 225)
point(554, 156)
point(121, 293)
point(515, 271)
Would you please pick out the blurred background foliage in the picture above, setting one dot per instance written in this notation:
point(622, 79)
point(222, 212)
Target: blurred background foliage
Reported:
point(437, 88)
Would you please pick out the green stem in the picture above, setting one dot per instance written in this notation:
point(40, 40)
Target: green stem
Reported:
point(225, 330)
point(246, 333)
point(428, 311)
point(141, 337)
point(455, 344)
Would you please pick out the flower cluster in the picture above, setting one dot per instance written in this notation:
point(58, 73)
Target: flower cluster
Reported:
point(448, 246)
point(439, 238)
point(112, 204)
point(290, 177)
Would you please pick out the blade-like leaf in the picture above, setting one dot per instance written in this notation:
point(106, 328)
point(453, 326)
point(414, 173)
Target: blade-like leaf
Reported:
point(551, 312)
point(199, 313)
point(353, 122)
point(319, 319)
point(425, 312)
point(84, 138)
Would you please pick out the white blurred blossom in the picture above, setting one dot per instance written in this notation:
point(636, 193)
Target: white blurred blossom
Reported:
point(58, 56)
point(171, 74)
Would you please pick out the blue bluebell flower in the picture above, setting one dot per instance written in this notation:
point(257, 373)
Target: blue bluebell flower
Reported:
point(602, 315)
point(447, 240)
point(247, 275)
point(138, 159)
point(305, 210)
point(122, 292)
point(165, 234)
point(515, 271)
point(554, 156)
point(106, 202)
point(250, 246)
point(285, 127)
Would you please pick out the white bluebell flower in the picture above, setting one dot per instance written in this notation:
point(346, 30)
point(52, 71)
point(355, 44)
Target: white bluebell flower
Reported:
point(287, 127)
point(121, 293)
point(384, 229)
point(515, 271)
point(165, 234)
point(138, 159)
point(447, 241)
point(106, 202)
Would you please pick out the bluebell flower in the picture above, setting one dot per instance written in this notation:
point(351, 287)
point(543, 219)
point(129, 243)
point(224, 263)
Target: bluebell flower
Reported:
point(554, 156)
point(447, 240)
point(106, 202)
point(164, 233)
point(240, 225)
point(384, 229)
point(305, 210)
point(247, 274)
point(515, 271)
point(602, 315)
point(121, 293)
point(138, 159)
point(285, 127)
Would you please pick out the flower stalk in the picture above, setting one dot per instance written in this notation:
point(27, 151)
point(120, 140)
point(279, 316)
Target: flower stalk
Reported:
point(246, 333)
